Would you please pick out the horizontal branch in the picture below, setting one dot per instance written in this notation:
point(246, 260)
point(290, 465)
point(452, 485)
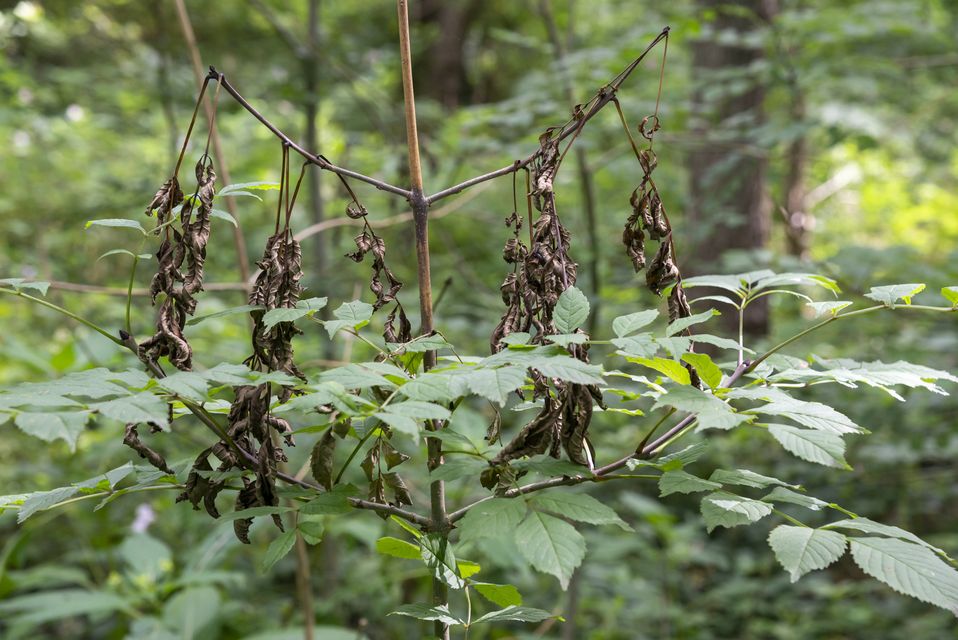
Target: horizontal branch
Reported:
point(605, 95)
point(320, 161)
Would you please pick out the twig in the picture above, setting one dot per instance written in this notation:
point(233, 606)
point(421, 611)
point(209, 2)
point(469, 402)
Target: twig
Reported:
point(321, 161)
point(242, 258)
point(602, 98)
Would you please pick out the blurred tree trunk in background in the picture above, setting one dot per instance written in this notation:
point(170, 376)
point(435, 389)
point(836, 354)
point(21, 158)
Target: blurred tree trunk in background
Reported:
point(728, 205)
point(441, 73)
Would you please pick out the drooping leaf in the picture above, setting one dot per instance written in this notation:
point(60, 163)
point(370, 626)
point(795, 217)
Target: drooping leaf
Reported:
point(425, 612)
point(746, 478)
point(865, 525)
point(116, 223)
point(354, 315)
point(708, 371)
point(580, 507)
point(495, 384)
point(781, 494)
point(141, 407)
point(438, 555)
point(53, 425)
point(420, 410)
point(225, 215)
point(248, 186)
point(810, 414)
point(827, 308)
point(951, 295)
point(550, 545)
point(188, 385)
point(19, 284)
point(803, 549)
point(278, 548)
point(494, 518)
point(504, 595)
point(670, 368)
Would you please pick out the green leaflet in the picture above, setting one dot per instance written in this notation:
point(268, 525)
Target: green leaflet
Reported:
point(908, 568)
point(819, 447)
point(571, 310)
point(515, 614)
point(803, 549)
point(278, 548)
point(629, 324)
point(493, 518)
point(504, 595)
point(550, 545)
point(679, 481)
point(425, 612)
point(890, 295)
point(397, 548)
point(580, 507)
point(723, 509)
point(682, 324)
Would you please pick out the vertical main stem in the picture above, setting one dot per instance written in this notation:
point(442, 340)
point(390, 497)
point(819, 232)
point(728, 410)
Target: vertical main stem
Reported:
point(420, 209)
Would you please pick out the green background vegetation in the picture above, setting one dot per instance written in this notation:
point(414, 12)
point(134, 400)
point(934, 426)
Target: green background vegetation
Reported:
point(94, 99)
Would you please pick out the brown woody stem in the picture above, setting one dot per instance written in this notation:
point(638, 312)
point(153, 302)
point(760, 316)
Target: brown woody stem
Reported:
point(439, 521)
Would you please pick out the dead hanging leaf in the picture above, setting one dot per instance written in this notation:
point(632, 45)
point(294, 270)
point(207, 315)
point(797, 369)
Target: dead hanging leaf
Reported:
point(542, 271)
point(178, 245)
point(494, 430)
point(196, 228)
point(370, 463)
point(167, 198)
point(649, 218)
point(536, 436)
point(321, 462)
point(399, 489)
point(245, 499)
point(400, 334)
point(392, 456)
point(576, 418)
point(197, 482)
point(132, 440)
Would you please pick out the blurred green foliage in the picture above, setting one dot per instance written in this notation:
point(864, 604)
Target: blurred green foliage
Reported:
point(95, 97)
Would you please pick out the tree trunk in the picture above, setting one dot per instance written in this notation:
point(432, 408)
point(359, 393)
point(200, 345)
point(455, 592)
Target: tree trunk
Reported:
point(728, 205)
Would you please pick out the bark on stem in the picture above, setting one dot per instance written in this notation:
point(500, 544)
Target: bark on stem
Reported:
point(439, 522)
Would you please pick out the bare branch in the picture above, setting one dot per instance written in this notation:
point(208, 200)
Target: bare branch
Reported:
point(321, 161)
point(604, 96)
